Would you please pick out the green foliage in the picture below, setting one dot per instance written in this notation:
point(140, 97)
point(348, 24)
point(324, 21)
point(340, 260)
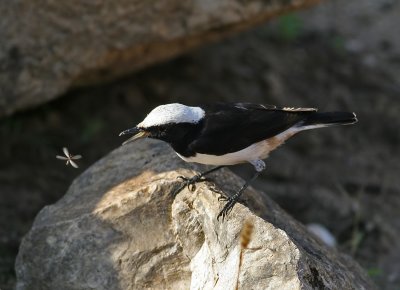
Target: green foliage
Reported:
point(357, 237)
point(290, 27)
point(374, 272)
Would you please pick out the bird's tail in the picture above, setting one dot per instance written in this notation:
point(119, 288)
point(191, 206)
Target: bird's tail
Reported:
point(320, 120)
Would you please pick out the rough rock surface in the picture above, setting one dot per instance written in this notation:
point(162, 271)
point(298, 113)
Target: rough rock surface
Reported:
point(118, 227)
point(49, 46)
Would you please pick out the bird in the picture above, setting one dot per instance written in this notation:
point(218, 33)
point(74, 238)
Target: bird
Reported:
point(224, 134)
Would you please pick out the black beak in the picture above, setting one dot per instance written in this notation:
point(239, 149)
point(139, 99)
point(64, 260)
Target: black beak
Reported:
point(137, 134)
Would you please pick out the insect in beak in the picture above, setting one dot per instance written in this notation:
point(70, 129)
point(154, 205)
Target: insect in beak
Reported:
point(137, 134)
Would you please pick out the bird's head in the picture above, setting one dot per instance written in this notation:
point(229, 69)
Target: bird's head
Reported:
point(165, 122)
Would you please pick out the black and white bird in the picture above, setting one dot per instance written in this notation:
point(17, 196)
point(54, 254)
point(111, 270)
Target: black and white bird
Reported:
point(230, 133)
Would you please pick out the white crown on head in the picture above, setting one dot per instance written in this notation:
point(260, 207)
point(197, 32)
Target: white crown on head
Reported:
point(172, 113)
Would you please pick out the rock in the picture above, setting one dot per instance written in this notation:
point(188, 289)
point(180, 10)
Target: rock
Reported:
point(118, 227)
point(48, 47)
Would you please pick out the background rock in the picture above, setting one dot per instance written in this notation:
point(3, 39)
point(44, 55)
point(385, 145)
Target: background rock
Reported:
point(47, 47)
point(119, 228)
point(345, 179)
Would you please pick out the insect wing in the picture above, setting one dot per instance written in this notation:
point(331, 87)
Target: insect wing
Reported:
point(73, 164)
point(76, 157)
point(61, 157)
point(66, 152)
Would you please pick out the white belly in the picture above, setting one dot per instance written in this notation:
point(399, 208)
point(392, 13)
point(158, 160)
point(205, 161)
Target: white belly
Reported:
point(257, 151)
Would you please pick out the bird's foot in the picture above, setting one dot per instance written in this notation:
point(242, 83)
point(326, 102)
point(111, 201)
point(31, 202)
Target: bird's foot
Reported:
point(190, 183)
point(234, 199)
point(231, 201)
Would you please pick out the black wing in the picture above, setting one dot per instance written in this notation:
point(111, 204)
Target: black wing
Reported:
point(232, 127)
point(251, 106)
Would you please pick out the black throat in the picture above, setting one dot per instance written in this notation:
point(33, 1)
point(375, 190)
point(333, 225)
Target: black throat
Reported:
point(178, 135)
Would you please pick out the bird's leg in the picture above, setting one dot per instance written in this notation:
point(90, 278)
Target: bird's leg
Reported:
point(259, 166)
point(191, 182)
point(231, 200)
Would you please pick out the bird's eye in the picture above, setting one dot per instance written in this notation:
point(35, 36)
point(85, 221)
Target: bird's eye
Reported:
point(161, 131)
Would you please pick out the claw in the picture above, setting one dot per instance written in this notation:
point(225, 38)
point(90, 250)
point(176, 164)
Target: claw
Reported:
point(227, 208)
point(189, 182)
point(232, 200)
point(213, 188)
point(191, 186)
point(223, 198)
point(183, 178)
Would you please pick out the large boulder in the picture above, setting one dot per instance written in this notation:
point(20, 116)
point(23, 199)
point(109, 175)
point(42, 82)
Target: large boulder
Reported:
point(47, 47)
point(119, 227)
